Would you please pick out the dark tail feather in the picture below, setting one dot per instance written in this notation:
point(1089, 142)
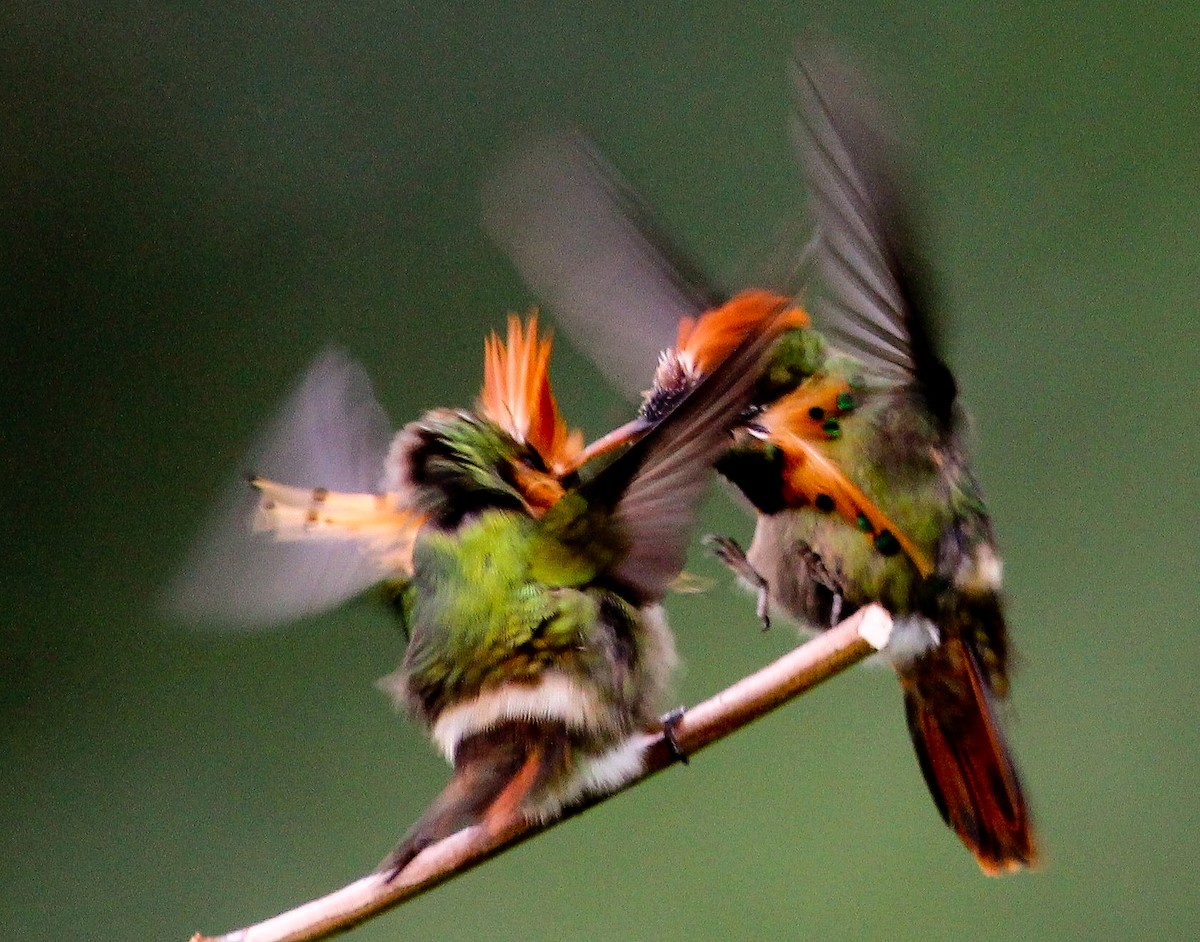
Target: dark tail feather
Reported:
point(495, 772)
point(965, 759)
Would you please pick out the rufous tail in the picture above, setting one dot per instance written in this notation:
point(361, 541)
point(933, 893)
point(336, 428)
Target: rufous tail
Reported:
point(965, 759)
point(496, 773)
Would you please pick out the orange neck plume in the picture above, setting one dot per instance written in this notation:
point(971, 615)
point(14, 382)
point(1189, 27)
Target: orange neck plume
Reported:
point(802, 424)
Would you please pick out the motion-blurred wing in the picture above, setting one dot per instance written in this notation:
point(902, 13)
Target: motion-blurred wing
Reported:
point(657, 485)
point(329, 433)
point(871, 301)
point(585, 244)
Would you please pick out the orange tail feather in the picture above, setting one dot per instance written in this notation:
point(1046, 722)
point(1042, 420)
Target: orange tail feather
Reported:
point(965, 760)
point(496, 774)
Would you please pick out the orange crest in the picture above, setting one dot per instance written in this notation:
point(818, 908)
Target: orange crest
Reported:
point(703, 342)
point(516, 394)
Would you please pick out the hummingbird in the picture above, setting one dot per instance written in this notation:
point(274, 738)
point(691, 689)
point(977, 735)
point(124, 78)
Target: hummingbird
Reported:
point(851, 454)
point(537, 649)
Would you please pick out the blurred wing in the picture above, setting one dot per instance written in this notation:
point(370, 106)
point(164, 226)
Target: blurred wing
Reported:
point(871, 301)
point(584, 243)
point(657, 485)
point(329, 433)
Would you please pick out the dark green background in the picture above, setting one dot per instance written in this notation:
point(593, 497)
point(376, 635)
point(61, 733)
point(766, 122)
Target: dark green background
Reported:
point(195, 198)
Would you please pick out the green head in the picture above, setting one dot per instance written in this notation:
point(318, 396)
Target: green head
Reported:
point(798, 354)
point(458, 464)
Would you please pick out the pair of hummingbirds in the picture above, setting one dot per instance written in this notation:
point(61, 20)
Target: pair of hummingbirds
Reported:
point(529, 570)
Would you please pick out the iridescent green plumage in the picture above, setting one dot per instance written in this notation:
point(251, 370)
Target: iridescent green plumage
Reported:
point(497, 597)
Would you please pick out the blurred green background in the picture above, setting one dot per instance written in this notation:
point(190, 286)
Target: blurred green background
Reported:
point(196, 197)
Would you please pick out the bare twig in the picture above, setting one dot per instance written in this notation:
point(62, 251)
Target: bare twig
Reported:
point(754, 696)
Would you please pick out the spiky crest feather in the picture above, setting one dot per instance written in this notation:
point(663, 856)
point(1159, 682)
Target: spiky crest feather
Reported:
point(703, 342)
point(517, 396)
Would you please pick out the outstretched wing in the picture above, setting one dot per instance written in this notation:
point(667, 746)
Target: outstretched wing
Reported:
point(655, 487)
point(872, 301)
point(329, 433)
point(587, 246)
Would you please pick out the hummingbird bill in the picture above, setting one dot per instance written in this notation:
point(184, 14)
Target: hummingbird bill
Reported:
point(851, 455)
point(529, 588)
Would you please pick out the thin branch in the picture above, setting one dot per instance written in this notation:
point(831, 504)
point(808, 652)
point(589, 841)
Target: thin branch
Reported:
point(802, 669)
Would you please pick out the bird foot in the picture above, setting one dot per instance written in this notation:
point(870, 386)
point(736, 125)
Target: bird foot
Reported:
point(814, 569)
point(669, 724)
point(728, 550)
